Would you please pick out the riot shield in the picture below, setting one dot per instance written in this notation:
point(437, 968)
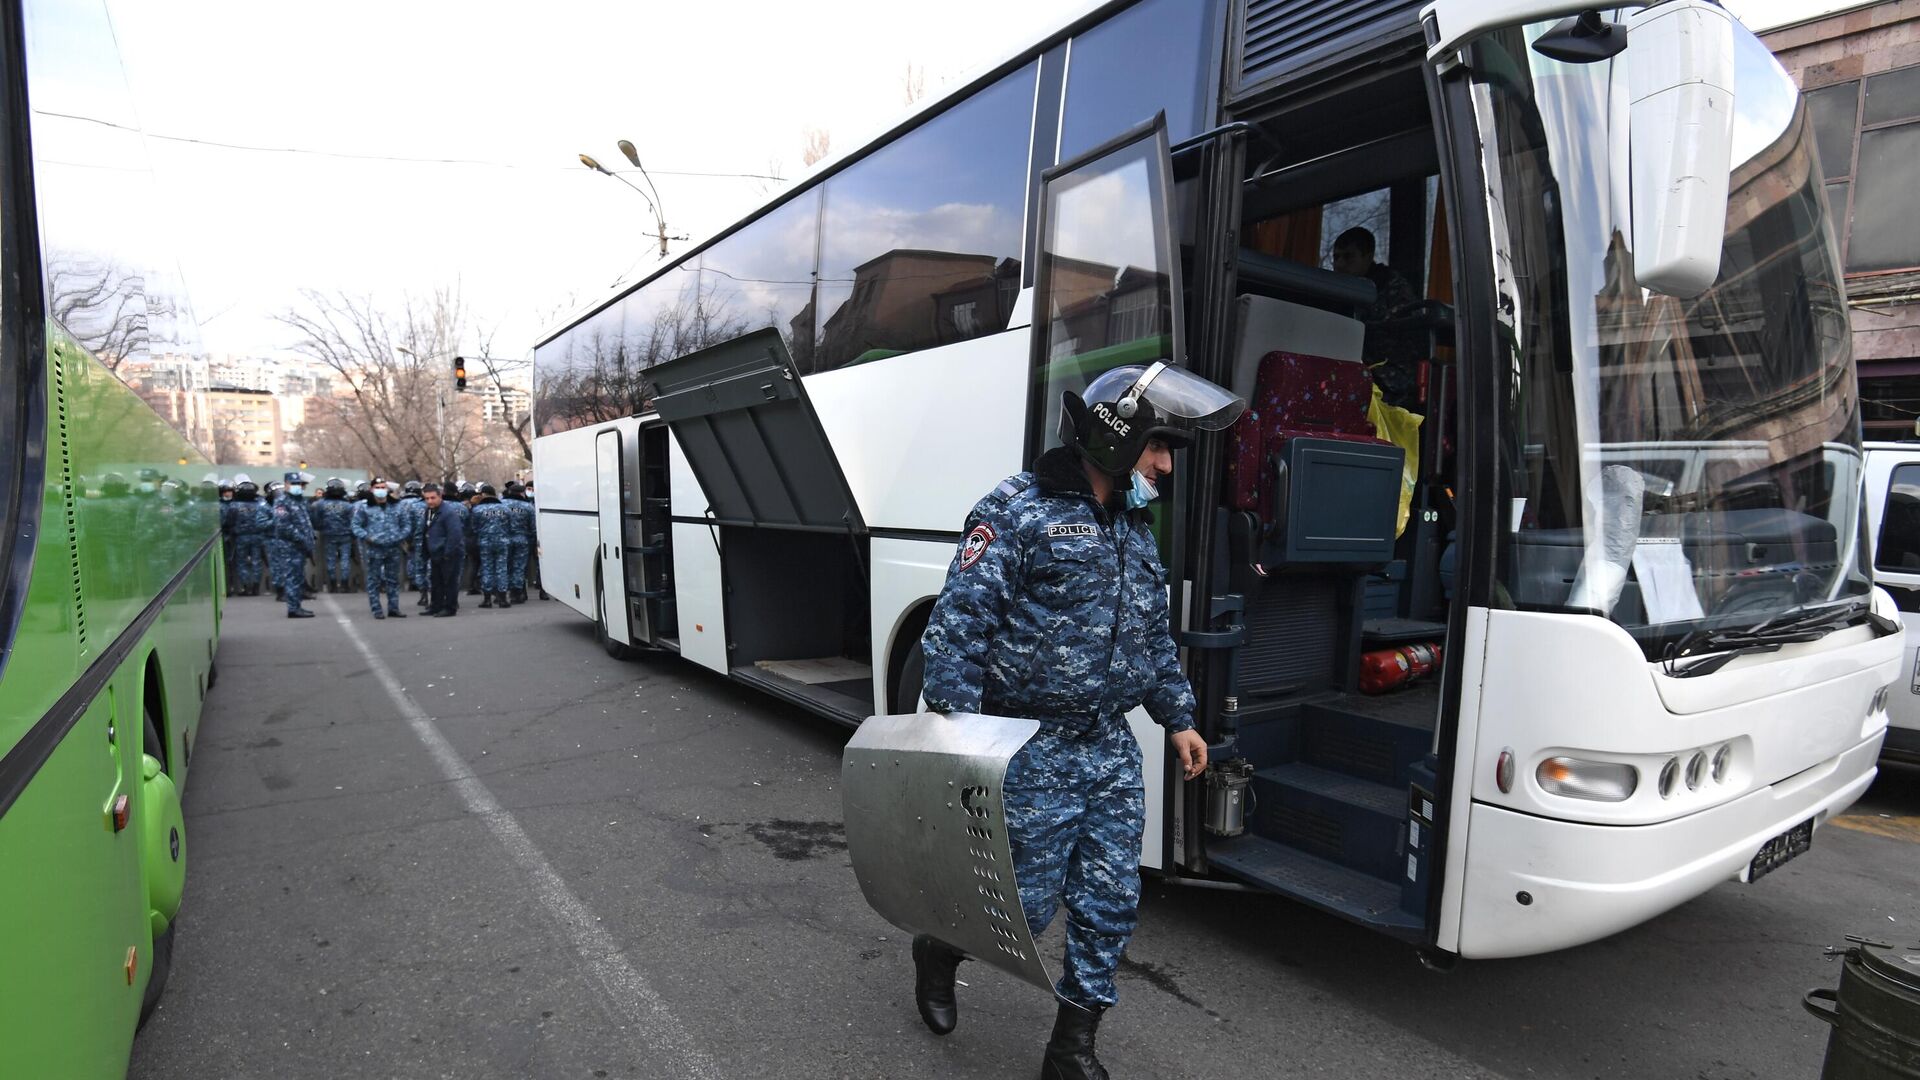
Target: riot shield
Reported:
point(927, 832)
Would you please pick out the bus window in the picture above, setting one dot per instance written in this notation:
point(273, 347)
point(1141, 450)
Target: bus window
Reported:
point(1107, 276)
point(763, 276)
point(1899, 546)
point(920, 242)
point(1150, 57)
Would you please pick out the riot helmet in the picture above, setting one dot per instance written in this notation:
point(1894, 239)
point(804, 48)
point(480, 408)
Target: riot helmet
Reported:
point(336, 488)
point(245, 490)
point(466, 490)
point(486, 490)
point(412, 488)
point(1122, 409)
point(515, 490)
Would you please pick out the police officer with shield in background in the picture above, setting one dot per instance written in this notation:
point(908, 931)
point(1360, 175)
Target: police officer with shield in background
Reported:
point(1055, 610)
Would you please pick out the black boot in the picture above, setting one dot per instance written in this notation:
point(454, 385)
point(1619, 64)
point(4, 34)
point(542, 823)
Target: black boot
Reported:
point(503, 601)
point(934, 962)
point(488, 602)
point(1070, 1052)
point(519, 595)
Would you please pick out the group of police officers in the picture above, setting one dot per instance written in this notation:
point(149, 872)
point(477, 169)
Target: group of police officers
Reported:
point(434, 534)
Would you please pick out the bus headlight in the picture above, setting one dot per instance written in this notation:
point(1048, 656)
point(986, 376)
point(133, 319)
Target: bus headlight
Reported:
point(1668, 774)
point(1576, 778)
point(1696, 769)
point(1722, 760)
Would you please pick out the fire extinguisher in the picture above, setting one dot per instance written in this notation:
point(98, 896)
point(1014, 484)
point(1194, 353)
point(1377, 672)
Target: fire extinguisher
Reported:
point(1385, 669)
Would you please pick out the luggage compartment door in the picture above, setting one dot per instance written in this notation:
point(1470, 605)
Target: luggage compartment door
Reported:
point(751, 437)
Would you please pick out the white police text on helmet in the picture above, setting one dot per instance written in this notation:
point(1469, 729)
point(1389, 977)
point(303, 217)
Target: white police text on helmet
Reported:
point(1111, 419)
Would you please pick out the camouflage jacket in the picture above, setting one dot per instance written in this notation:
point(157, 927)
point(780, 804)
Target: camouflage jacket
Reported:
point(413, 509)
point(380, 524)
point(1055, 610)
point(291, 523)
point(520, 518)
point(334, 517)
point(490, 521)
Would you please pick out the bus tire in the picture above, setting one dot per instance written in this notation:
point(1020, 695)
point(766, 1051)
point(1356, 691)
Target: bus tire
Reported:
point(160, 960)
point(906, 689)
point(159, 966)
point(617, 649)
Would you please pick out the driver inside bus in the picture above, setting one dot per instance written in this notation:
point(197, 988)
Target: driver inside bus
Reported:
point(1055, 609)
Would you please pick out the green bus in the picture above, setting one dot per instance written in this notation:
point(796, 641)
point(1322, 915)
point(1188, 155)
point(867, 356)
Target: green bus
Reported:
point(110, 569)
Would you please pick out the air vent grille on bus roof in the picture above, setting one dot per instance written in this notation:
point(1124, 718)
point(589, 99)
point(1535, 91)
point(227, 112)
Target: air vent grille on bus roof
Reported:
point(1274, 38)
point(59, 368)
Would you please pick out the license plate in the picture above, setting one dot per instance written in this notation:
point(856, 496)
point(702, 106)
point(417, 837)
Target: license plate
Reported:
point(1780, 849)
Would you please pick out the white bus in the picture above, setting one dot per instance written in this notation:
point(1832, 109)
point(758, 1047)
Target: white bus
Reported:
point(1893, 511)
point(760, 457)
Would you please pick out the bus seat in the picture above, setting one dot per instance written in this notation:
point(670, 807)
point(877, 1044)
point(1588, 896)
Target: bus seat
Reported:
point(1295, 395)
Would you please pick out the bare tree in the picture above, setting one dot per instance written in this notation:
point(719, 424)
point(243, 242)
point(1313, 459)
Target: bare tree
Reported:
point(819, 143)
point(101, 303)
point(391, 366)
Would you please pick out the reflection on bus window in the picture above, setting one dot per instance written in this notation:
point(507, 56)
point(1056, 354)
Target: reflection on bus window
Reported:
point(920, 243)
point(1899, 547)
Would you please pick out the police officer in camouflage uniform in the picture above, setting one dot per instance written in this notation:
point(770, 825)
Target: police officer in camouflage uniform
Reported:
point(492, 527)
point(333, 516)
point(249, 538)
point(226, 534)
point(519, 539)
point(381, 526)
point(414, 507)
point(1055, 609)
point(292, 544)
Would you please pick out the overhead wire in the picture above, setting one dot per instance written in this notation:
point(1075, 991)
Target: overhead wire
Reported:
point(394, 158)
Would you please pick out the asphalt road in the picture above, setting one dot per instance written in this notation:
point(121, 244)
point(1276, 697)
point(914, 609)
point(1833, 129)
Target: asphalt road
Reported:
point(479, 847)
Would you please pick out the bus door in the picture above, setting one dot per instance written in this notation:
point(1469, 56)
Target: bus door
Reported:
point(611, 485)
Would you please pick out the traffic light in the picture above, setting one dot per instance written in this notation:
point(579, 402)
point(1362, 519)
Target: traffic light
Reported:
point(459, 373)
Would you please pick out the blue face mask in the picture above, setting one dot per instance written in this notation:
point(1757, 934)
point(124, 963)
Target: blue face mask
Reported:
point(296, 489)
point(1142, 492)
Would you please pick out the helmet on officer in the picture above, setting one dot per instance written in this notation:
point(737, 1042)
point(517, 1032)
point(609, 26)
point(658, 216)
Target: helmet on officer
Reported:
point(486, 490)
point(515, 490)
point(336, 488)
point(1111, 422)
point(412, 487)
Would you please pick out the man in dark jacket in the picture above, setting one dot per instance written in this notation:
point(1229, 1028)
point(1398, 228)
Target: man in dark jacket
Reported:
point(446, 542)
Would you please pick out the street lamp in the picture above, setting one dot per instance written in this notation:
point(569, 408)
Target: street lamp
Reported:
point(653, 202)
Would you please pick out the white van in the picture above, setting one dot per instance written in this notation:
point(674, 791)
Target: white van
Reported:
point(1893, 509)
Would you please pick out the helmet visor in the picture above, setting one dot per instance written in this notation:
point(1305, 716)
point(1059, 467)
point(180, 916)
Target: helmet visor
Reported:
point(1190, 400)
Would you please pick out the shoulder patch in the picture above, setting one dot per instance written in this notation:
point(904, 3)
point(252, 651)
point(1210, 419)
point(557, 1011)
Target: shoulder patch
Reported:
point(975, 544)
point(1072, 528)
point(1011, 486)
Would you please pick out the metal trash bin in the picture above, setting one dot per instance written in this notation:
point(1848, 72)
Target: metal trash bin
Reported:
point(1875, 1015)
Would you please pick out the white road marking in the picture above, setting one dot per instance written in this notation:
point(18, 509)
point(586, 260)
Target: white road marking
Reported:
point(627, 991)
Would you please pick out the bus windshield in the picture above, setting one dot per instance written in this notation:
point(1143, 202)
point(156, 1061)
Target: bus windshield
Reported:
point(1668, 463)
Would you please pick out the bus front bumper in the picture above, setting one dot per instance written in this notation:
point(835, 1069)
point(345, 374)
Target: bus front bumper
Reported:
point(1535, 884)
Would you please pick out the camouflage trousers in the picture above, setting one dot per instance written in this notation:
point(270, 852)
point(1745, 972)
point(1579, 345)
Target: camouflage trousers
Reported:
point(289, 566)
point(247, 553)
point(517, 549)
point(339, 565)
point(1076, 809)
point(492, 572)
point(383, 575)
point(417, 565)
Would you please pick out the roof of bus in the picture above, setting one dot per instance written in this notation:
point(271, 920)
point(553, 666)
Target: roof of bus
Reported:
point(1089, 11)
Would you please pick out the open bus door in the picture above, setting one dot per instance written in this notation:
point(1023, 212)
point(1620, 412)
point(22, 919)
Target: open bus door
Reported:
point(610, 484)
point(791, 538)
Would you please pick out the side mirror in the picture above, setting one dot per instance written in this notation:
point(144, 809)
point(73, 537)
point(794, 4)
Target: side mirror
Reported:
point(1680, 85)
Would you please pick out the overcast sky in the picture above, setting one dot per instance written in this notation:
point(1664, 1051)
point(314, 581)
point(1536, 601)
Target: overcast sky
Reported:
point(508, 94)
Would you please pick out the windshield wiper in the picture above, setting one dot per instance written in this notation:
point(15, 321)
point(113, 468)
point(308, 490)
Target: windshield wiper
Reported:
point(1793, 626)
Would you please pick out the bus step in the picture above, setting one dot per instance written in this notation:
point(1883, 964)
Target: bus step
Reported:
point(1354, 822)
point(1328, 886)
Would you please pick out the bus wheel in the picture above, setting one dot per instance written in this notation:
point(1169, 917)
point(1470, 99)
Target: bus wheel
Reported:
point(619, 650)
point(160, 962)
point(159, 966)
point(906, 688)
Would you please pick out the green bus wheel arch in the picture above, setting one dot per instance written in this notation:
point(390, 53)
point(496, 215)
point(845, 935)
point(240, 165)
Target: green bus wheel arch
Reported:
point(163, 844)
